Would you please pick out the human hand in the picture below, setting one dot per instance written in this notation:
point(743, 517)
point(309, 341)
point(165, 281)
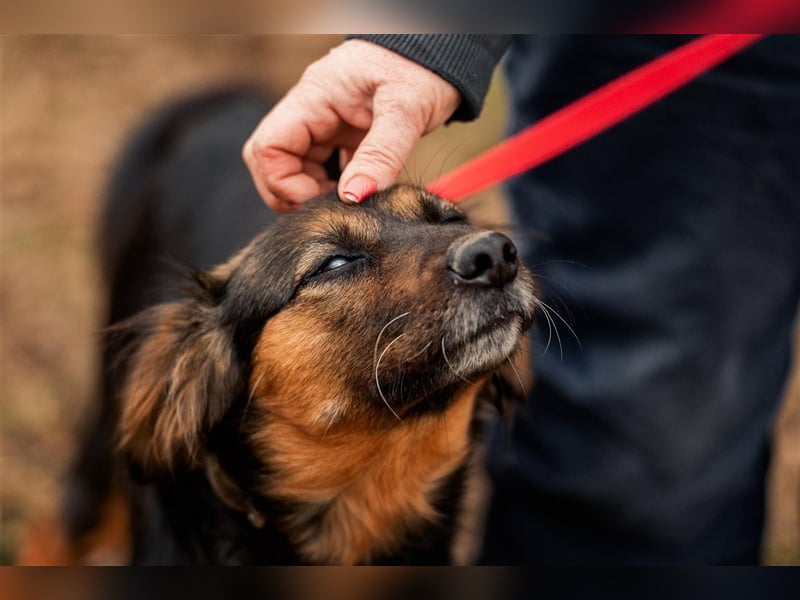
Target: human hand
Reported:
point(369, 102)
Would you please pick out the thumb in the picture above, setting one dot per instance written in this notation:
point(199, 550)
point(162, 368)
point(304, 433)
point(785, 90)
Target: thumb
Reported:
point(380, 156)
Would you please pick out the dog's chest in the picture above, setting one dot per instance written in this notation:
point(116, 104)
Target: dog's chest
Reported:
point(360, 495)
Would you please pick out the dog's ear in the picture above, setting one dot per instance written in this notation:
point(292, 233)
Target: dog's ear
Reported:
point(180, 378)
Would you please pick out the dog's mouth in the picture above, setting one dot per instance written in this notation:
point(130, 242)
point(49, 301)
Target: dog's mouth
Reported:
point(422, 364)
point(469, 352)
point(482, 331)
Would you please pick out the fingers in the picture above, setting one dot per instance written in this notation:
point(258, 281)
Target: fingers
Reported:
point(370, 103)
point(379, 158)
point(282, 156)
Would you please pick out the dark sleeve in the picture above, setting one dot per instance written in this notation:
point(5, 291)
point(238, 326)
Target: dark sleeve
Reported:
point(466, 61)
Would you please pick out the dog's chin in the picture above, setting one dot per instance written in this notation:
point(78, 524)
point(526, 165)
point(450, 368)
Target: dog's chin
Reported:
point(466, 363)
point(483, 335)
point(484, 351)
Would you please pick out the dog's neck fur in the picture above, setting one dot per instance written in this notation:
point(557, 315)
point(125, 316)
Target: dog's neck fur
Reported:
point(372, 500)
point(339, 501)
point(359, 494)
point(228, 537)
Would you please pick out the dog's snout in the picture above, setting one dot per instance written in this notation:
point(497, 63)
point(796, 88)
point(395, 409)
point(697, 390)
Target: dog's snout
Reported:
point(488, 259)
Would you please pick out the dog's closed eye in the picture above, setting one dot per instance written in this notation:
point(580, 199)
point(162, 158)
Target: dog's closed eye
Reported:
point(334, 263)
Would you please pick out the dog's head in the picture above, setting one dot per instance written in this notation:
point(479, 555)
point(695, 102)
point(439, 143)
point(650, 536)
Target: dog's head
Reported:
point(348, 327)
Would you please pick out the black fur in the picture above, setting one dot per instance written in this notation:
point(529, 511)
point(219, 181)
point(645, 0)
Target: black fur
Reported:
point(179, 196)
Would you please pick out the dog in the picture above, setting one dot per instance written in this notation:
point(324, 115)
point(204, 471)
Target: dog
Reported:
point(319, 398)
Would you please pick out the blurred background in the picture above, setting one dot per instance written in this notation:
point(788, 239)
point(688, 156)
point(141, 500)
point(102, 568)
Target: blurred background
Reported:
point(67, 103)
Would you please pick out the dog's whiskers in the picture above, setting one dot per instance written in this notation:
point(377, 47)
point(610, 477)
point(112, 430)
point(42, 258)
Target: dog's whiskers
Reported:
point(546, 308)
point(376, 360)
point(428, 345)
point(550, 327)
point(563, 320)
point(516, 373)
point(383, 329)
point(377, 379)
point(452, 368)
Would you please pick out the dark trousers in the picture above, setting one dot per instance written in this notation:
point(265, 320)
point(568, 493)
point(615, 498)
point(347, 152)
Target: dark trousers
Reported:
point(671, 244)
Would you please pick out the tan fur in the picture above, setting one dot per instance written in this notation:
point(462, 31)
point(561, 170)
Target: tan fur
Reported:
point(374, 481)
point(360, 226)
point(405, 203)
point(223, 272)
point(166, 389)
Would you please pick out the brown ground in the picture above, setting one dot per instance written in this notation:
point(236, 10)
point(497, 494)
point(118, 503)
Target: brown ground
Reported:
point(67, 103)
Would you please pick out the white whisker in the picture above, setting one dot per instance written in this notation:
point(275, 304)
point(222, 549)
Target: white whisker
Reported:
point(514, 368)
point(377, 380)
point(428, 345)
point(378, 341)
point(552, 327)
point(563, 320)
point(452, 368)
point(376, 360)
point(549, 327)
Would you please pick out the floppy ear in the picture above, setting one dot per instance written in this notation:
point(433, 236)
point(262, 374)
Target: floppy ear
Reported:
point(180, 377)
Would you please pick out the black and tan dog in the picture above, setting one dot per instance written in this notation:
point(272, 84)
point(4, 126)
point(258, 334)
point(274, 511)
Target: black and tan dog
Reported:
point(318, 397)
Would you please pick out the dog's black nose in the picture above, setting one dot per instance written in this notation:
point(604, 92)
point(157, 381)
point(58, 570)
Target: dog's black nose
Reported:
point(486, 259)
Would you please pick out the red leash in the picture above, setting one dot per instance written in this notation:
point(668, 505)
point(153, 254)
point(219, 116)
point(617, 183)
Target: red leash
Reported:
point(590, 115)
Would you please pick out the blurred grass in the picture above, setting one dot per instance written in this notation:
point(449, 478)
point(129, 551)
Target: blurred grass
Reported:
point(67, 104)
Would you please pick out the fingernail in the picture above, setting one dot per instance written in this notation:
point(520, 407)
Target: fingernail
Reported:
point(350, 197)
point(358, 188)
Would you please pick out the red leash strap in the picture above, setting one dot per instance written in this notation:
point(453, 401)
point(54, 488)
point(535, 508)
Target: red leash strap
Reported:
point(590, 115)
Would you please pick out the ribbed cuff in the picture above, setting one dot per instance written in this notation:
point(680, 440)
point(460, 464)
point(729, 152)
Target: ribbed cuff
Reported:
point(466, 61)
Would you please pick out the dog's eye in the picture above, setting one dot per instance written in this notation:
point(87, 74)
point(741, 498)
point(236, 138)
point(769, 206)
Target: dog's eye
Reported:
point(336, 266)
point(333, 263)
